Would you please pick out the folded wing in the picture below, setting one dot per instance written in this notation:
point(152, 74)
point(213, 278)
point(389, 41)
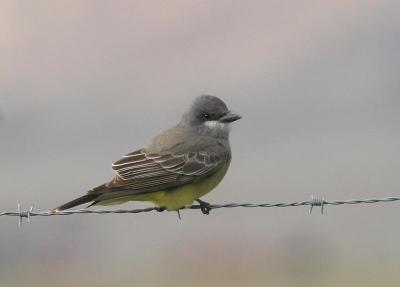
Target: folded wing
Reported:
point(140, 172)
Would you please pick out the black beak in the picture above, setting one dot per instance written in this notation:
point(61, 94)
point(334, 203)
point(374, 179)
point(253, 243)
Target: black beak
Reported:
point(229, 118)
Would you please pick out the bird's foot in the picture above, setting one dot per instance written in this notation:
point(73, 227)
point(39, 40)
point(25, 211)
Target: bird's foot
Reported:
point(204, 206)
point(179, 214)
point(161, 209)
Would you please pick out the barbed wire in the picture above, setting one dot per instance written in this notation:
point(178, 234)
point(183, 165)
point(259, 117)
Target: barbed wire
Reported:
point(315, 201)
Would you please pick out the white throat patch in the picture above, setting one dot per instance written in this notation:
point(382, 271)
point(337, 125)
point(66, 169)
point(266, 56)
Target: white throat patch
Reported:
point(217, 126)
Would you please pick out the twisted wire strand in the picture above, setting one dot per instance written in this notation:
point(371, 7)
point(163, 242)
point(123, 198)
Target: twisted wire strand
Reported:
point(315, 201)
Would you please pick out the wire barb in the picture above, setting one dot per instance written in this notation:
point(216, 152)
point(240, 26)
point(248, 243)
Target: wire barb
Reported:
point(315, 201)
point(22, 214)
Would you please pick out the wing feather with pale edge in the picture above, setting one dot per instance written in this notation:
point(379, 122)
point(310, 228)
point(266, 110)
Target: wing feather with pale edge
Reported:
point(143, 172)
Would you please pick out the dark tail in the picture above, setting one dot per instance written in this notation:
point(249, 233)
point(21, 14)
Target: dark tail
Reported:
point(80, 200)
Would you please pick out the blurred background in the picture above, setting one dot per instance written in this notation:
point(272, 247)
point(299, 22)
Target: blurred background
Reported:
point(317, 84)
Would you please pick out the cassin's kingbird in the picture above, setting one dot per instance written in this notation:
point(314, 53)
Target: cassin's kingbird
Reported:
point(178, 166)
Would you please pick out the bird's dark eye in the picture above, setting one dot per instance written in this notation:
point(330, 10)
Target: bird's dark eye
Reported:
point(206, 116)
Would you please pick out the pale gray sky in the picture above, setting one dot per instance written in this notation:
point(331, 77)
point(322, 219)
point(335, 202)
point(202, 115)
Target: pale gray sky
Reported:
point(82, 83)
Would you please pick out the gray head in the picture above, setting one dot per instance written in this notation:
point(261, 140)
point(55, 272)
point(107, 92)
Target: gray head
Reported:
point(210, 116)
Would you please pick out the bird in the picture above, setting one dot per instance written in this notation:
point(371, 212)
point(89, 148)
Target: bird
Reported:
point(177, 167)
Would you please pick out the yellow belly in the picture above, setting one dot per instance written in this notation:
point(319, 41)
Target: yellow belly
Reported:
point(174, 198)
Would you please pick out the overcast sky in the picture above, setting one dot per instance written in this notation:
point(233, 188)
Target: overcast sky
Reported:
point(84, 82)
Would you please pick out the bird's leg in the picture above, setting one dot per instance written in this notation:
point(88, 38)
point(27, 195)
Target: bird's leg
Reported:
point(161, 209)
point(204, 206)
